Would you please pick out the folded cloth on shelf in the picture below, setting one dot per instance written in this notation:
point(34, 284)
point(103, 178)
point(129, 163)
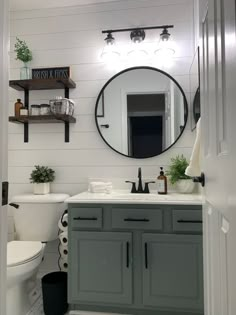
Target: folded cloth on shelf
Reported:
point(100, 187)
point(194, 168)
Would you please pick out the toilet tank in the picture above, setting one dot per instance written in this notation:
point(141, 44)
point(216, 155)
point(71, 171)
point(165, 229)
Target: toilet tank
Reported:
point(36, 218)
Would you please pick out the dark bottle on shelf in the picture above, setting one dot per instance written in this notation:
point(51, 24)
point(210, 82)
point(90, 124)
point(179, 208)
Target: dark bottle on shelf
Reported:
point(18, 106)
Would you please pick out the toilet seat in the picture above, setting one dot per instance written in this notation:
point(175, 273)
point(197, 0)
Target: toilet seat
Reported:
point(21, 252)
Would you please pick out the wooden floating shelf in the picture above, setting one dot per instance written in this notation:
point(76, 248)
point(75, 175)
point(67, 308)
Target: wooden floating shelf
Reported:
point(42, 84)
point(43, 119)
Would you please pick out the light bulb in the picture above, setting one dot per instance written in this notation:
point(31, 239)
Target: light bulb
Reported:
point(110, 53)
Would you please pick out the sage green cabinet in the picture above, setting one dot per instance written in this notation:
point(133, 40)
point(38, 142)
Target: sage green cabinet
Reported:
point(135, 259)
point(101, 268)
point(172, 271)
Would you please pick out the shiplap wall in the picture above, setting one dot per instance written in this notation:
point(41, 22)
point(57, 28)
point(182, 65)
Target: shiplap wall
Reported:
point(72, 36)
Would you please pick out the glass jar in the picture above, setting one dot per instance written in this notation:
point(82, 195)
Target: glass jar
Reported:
point(35, 110)
point(24, 111)
point(25, 72)
point(45, 109)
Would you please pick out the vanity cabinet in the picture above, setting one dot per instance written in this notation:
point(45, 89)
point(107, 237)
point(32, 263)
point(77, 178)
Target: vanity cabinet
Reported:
point(136, 259)
point(172, 270)
point(101, 265)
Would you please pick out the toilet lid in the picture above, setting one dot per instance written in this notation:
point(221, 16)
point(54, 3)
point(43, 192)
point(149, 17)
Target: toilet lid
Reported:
point(19, 252)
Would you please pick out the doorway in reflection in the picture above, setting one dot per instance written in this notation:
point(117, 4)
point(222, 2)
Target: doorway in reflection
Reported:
point(146, 132)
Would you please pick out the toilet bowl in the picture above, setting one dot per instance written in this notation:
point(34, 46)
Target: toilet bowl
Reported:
point(23, 260)
point(36, 220)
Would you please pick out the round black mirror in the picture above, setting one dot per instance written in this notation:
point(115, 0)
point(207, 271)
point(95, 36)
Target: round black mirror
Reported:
point(141, 112)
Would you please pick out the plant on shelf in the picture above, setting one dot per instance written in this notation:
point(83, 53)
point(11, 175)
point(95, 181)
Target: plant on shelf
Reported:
point(24, 54)
point(41, 177)
point(177, 177)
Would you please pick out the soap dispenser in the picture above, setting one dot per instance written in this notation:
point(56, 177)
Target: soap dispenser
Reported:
point(162, 183)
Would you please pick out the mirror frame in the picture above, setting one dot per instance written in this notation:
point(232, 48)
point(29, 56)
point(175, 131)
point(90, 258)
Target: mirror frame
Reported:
point(147, 68)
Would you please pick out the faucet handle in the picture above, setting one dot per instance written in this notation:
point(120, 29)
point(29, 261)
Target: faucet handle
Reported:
point(133, 189)
point(146, 187)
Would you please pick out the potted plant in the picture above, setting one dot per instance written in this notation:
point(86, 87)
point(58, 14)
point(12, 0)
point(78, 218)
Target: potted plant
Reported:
point(41, 177)
point(24, 54)
point(177, 177)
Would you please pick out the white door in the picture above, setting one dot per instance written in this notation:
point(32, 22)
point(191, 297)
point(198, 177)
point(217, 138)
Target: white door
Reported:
point(4, 39)
point(218, 102)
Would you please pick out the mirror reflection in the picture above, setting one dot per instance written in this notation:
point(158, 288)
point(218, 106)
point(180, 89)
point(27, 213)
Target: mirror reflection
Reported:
point(195, 90)
point(141, 112)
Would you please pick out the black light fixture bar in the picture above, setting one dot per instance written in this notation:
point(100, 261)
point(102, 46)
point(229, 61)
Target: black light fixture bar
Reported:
point(137, 28)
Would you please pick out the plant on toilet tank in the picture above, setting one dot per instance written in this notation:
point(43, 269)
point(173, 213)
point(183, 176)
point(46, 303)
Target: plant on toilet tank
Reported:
point(41, 177)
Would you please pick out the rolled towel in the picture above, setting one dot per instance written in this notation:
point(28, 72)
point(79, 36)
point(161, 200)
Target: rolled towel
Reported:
point(63, 264)
point(63, 237)
point(63, 250)
point(63, 222)
point(100, 187)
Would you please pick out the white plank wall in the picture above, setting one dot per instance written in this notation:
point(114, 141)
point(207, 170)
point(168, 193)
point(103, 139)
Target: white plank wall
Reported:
point(71, 36)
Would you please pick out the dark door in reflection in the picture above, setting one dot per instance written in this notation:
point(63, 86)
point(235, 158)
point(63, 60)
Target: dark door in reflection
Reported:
point(146, 124)
point(145, 136)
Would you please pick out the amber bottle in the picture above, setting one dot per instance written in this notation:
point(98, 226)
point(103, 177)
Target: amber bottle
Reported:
point(162, 183)
point(18, 106)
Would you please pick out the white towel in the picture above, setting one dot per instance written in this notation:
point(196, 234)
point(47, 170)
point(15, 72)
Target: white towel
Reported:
point(194, 168)
point(100, 187)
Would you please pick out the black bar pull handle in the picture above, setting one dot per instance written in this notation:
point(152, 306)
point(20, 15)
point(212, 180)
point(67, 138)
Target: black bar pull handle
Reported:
point(127, 254)
point(136, 220)
point(105, 126)
point(189, 221)
point(85, 219)
point(146, 255)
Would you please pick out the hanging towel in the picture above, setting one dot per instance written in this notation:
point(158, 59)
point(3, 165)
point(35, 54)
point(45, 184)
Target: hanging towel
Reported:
point(194, 168)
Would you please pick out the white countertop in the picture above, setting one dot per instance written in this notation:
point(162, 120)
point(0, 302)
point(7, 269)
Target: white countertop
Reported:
point(125, 197)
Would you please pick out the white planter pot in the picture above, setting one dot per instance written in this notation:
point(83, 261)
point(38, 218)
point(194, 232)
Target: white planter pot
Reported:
point(41, 188)
point(185, 186)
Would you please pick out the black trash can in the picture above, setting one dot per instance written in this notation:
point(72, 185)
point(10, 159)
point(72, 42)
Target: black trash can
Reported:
point(54, 288)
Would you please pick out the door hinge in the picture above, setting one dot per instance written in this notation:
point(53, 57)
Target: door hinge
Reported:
point(5, 186)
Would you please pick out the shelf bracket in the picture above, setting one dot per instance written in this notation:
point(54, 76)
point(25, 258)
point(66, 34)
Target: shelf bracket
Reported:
point(26, 132)
point(26, 125)
point(67, 131)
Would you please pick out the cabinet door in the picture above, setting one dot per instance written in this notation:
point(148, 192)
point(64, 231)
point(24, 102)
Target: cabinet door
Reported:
point(172, 271)
point(100, 267)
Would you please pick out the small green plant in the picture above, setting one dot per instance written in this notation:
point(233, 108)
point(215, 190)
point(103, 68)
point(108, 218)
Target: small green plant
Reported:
point(42, 174)
point(23, 52)
point(177, 169)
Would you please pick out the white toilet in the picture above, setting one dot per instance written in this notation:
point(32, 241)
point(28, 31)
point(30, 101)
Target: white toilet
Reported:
point(36, 220)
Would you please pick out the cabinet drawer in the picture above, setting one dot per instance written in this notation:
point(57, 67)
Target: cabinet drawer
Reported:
point(86, 218)
point(187, 220)
point(142, 219)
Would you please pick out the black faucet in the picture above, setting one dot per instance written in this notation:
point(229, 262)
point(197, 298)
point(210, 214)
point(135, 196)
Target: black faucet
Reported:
point(140, 184)
point(140, 189)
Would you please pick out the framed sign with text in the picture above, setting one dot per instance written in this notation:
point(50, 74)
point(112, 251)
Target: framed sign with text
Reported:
point(51, 73)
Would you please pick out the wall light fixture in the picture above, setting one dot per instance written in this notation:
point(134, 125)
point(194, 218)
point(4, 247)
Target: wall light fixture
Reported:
point(137, 36)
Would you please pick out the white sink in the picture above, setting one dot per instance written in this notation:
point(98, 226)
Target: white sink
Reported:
point(129, 196)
